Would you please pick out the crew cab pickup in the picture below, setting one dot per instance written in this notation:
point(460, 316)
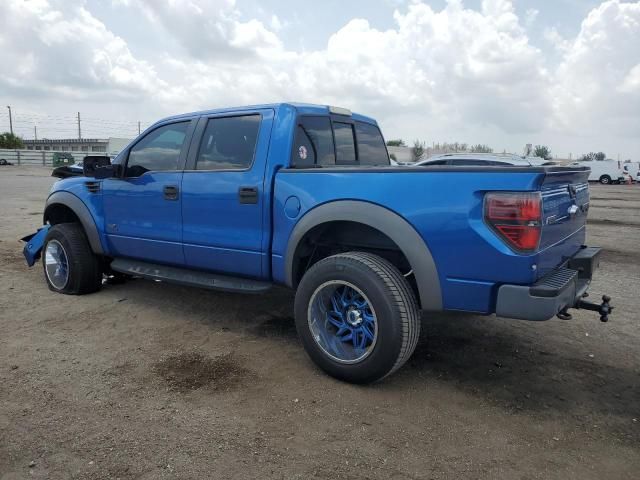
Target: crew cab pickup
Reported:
point(301, 195)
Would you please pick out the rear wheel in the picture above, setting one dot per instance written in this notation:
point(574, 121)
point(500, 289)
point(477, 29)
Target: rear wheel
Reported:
point(605, 179)
point(357, 317)
point(70, 267)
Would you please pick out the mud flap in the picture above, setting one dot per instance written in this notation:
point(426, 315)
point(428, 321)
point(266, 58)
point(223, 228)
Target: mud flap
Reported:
point(34, 244)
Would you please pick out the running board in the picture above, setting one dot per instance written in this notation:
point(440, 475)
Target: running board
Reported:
point(192, 278)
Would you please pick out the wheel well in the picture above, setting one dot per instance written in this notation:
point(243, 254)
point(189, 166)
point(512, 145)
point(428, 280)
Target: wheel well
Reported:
point(335, 237)
point(58, 213)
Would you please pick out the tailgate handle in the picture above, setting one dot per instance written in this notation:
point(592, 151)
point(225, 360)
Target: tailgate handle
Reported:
point(248, 195)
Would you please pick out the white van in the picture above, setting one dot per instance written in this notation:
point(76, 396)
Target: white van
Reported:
point(604, 171)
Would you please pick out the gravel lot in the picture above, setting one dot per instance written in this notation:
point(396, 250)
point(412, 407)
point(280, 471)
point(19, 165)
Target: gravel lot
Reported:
point(149, 380)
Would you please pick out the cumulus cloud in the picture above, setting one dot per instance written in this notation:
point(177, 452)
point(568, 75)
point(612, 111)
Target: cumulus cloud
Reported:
point(447, 70)
point(597, 84)
point(210, 29)
point(59, 48)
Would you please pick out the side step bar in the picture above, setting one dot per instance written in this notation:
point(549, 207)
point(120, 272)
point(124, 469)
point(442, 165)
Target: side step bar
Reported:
point(193, 278)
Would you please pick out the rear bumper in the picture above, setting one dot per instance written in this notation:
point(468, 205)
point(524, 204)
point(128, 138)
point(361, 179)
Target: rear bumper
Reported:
point(560, 289)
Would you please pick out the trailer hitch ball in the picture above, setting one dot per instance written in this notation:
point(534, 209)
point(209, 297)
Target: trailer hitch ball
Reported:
point(604, 309)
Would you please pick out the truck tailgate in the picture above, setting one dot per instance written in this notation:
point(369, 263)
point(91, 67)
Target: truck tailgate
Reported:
point(565, 203)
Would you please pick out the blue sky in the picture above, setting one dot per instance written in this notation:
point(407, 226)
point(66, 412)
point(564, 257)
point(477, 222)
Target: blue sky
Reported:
point(564, 73)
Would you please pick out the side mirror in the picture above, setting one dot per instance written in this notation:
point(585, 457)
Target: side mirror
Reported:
point(107, 171)
point(91, 162)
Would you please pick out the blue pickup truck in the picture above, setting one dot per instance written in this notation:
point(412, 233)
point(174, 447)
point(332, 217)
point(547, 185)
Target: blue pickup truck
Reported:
point(301, 195)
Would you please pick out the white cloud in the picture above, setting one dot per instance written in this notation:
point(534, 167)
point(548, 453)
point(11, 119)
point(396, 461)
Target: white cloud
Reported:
point(531, 16)
point(54, 48)
point(454, 71)
point(597, 85)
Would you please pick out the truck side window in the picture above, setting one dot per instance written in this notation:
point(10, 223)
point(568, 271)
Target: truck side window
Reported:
point(345, 145)
point(371, 147)
point(228, 143)
point(313, 144)
point(158, 151)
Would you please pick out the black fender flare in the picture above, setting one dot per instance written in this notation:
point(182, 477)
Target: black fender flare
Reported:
point(82, 212)
point(392, 225)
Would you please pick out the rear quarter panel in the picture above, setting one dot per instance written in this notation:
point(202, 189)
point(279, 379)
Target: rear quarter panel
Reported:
point(444, 207)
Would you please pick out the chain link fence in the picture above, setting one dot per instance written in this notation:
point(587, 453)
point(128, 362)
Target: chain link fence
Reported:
point(41, 157)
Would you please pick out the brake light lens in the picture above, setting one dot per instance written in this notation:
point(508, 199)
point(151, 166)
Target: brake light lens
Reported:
point(516, 218)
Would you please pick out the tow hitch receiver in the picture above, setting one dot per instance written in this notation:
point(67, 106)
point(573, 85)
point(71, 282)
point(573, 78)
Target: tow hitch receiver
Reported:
point(604, 309)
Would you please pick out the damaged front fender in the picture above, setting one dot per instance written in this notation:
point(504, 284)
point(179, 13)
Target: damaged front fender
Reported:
point(34, 244)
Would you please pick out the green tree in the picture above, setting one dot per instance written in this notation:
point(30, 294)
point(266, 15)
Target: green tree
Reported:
point(396, 143)
point(600, 156)
point(542, 151)
point(9, 140)
point(417, 151)
point(481, 148)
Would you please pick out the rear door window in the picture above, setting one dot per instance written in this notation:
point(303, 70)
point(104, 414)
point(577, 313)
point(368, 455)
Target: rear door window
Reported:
point(228, 143)
point(313, 144)
point(345, 143)
point(371, 147)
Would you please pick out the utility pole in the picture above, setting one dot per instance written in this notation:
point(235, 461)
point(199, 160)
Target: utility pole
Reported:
point(79, 131)
point(35, 132)
point(138, 127)
point(10, 120)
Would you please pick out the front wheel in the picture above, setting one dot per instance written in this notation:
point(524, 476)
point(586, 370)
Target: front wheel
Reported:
point(70, 266)
point(357, 317)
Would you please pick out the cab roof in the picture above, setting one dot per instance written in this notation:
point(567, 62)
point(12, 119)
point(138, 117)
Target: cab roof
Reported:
point(302, 108)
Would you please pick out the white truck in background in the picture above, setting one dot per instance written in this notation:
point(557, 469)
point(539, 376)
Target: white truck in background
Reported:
point(604, 171)
point(632, 169)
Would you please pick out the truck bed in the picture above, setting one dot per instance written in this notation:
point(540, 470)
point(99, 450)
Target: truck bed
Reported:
point(445, 206)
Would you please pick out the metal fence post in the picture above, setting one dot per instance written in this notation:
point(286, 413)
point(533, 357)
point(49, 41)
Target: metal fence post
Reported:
point(43, 159)
point(18, 152)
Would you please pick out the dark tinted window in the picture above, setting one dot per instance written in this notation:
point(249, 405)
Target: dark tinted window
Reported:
point(371, 148)
point(473, 162)
point(313, 143)
point(435, 163)
point(158, 151)
point(228, 143)
point(345, 146)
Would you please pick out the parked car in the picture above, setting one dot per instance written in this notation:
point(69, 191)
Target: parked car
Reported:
point(62, 158)
point(482, 159)
point(240, 199)
point(603, 171)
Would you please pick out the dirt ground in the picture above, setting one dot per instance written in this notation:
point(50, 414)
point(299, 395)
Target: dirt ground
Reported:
point(149, 380)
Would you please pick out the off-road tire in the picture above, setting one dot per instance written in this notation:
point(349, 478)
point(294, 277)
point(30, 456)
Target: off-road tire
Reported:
point(395, 307)
point(85, 271)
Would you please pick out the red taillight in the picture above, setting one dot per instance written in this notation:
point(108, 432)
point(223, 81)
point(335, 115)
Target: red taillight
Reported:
point(516, 217)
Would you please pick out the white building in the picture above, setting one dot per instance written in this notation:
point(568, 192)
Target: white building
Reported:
point(111, 145)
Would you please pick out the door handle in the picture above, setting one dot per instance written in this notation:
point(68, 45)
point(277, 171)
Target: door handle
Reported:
point(248, 195)
point(170, 192)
